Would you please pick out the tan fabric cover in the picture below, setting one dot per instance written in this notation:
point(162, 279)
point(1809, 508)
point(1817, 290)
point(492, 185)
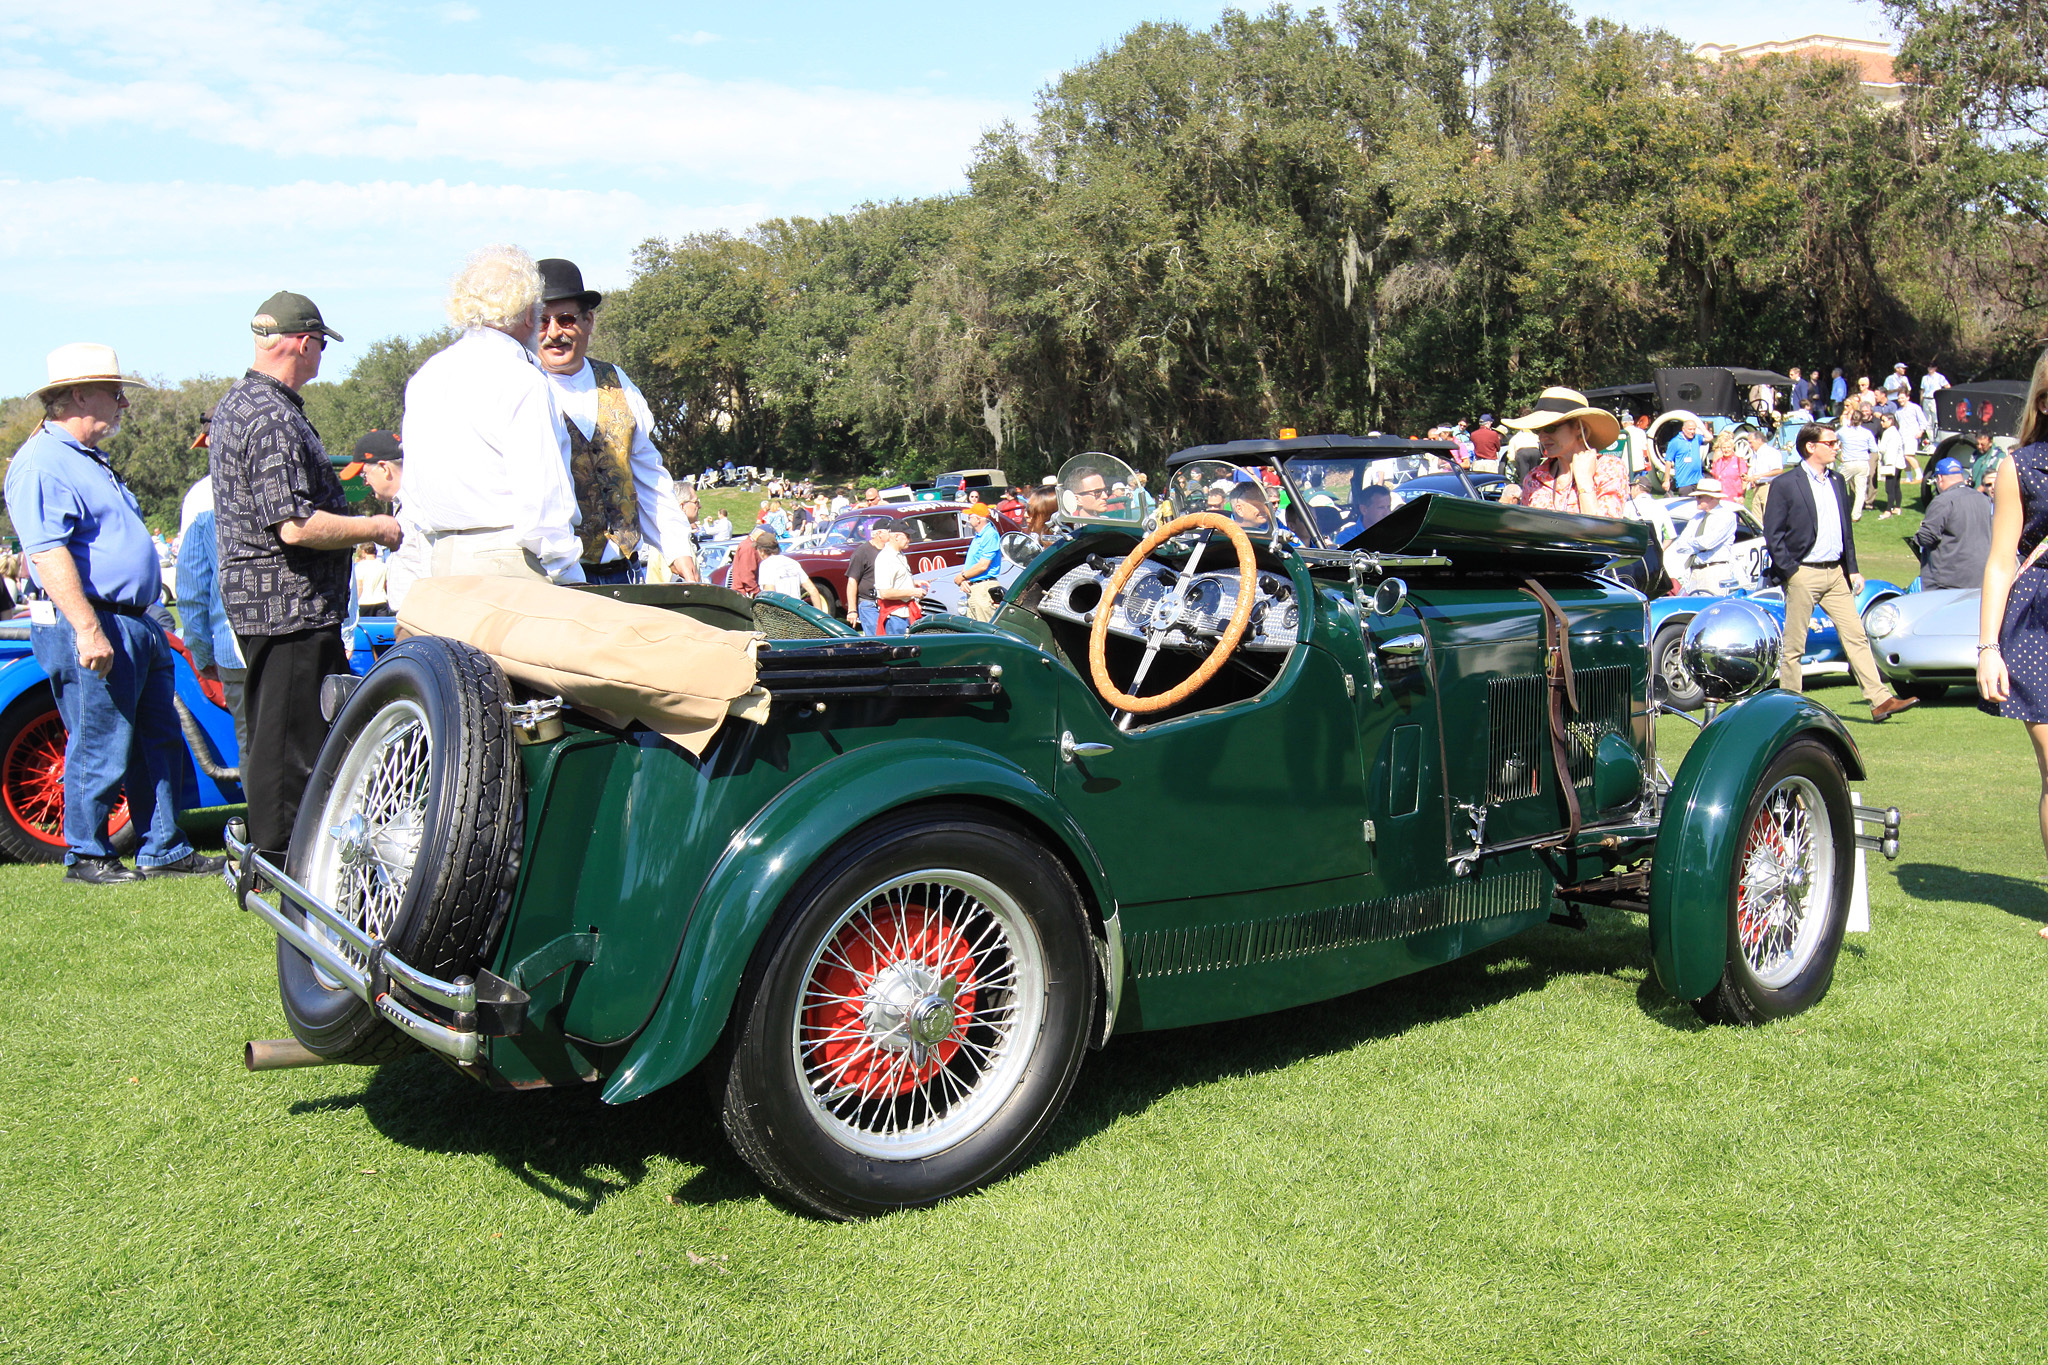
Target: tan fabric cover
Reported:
point(615, 659)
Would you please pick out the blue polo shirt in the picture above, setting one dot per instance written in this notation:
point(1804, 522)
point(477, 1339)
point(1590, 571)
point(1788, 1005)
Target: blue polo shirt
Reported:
point(1688, 458)
point(62, 493)
point(987, 547)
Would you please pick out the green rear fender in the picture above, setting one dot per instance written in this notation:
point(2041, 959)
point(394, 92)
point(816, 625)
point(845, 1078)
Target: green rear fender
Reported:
point(767, 858)
point(1697, 838)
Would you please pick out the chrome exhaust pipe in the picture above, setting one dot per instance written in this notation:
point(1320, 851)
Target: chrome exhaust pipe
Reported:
point(277, 1054)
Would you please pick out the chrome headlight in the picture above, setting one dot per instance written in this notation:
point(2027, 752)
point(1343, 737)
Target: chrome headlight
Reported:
point(1881, 619)
point(1731, 649)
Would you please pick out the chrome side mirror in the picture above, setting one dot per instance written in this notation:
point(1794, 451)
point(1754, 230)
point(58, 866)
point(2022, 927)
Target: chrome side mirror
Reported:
point(1019, 548)
point(1389, 597)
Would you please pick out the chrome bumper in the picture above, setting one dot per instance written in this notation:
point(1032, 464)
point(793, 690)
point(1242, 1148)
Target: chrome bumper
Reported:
point(1886, 843)
point(380, 969)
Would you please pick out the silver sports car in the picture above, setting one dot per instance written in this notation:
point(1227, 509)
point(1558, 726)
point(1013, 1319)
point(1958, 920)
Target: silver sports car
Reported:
point(1926, 642)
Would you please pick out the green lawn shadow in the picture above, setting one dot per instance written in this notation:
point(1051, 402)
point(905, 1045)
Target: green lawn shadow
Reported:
point(566, 1145)
point(570, 1147)
point(1936, 882)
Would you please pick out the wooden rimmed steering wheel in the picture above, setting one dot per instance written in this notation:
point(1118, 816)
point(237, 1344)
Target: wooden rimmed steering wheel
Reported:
point(1166, 615)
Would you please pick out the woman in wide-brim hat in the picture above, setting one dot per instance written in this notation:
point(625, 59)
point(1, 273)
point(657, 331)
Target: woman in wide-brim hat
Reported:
point(1573, 476)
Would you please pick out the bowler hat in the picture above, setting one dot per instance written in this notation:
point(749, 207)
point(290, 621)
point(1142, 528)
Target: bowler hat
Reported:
point(560, 279)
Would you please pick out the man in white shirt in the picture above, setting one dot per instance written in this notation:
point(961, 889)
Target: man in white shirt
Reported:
point(489, 485)
point(1931, 383)
point(381, 462)
point(1702, 559)
point(778, 572)
point(622, 489)
point(1646, 507)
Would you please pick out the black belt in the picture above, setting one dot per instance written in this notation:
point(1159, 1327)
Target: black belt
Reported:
point(118, 608)
point(1822, 564)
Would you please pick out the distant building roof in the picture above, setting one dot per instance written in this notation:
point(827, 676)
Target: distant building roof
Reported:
point(1872, 60)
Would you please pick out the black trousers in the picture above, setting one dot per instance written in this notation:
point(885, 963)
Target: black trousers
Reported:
point(282, 696)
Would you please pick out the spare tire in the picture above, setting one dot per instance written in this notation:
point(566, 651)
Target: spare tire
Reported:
point(411, 827)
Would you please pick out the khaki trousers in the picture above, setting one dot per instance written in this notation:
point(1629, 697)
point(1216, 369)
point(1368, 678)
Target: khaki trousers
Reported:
point(981, 603)
point(1827, 588)
point(1857, 477)
point(494, 553)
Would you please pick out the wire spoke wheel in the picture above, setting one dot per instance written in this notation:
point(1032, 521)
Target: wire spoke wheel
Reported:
point(1790, 873)
point(372, 821)
point(1787, 882)
point(909, 1029)
point(916, 1007)
point(32, 783)
point(410, 830)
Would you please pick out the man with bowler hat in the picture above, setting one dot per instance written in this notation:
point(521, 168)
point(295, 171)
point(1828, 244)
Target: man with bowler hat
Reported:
point(622, 489)
point(108, 662)
point(284, 531)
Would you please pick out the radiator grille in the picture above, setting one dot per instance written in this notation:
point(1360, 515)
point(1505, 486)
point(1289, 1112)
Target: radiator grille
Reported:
point(1518, 729)
point(1176, 952)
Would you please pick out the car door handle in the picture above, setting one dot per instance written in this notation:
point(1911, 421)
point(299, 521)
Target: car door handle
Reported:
point(1403, 646)
point(1071, 749)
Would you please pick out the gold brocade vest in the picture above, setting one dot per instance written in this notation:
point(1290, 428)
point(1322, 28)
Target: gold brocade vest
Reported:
point(602, 466)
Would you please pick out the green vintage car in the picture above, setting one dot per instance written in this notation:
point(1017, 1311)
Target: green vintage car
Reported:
point(1296, 736)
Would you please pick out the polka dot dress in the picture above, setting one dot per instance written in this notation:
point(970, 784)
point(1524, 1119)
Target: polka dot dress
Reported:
point(2023, 637)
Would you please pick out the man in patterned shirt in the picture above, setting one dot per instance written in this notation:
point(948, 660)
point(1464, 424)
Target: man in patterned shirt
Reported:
point(284, 532)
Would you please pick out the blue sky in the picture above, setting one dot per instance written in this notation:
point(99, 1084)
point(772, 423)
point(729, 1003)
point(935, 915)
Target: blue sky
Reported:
point(166, 167)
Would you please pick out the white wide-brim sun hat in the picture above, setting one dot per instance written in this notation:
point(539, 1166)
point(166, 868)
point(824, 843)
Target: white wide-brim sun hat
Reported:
point(1562, 405)
point(86, 362)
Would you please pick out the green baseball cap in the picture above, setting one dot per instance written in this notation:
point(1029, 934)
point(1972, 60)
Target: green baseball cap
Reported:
point(287, 314)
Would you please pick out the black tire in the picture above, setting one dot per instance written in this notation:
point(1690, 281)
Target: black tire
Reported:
point(1925, 691)
point(832, 607)
point(1812, 830)
point(874, 1120)
point(1674, 682)
point(461, 793)
point(32, 784)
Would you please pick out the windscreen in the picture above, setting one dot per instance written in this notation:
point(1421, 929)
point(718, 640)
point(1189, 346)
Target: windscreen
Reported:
point(1100, 490)
point(849, 530)
point(1348, 494)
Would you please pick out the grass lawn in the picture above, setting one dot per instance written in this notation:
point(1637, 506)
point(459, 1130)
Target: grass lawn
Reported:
point(1529, 1155)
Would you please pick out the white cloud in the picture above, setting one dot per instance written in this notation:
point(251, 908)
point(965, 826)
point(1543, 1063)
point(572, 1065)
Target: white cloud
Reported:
point(459, 14)
point(697, 39)
point(192, 79)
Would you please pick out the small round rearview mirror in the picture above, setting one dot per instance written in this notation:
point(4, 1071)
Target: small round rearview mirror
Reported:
point(1389, 597)
point(1019, 548)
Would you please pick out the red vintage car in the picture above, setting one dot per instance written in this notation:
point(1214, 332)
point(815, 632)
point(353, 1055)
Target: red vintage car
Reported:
point(938, 541)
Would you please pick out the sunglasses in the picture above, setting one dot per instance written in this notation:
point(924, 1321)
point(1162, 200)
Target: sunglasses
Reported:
point(568, 322)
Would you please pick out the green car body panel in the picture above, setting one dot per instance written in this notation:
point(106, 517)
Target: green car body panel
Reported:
point(1382, 801)
point(1703, 827)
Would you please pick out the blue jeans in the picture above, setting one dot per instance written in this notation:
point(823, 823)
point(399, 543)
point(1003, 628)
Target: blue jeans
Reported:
point(898, 624)
point(120, 730)
point(869, 610)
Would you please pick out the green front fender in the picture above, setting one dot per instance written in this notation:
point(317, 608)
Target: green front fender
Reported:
point(1702, 826)
point(765, 860)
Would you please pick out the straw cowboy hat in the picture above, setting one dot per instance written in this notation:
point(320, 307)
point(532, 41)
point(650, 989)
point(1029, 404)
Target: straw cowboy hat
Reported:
point(86, 362)
point(1708, 488)
point(1603, 428)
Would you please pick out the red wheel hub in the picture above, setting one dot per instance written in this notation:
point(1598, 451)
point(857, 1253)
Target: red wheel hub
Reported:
point(32, 782)
point(893, 994)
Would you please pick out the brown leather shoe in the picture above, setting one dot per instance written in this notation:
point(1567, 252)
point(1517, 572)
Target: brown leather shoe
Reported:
point(1891, 706)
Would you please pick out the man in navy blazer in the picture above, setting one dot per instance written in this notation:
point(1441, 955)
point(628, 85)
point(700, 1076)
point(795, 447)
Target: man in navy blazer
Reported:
point(1813, 553)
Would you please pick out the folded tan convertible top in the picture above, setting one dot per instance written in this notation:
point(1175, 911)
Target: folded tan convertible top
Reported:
point(617, 660)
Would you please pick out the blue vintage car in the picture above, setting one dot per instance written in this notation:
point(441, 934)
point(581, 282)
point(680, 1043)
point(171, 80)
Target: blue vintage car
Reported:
point(32, 753)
